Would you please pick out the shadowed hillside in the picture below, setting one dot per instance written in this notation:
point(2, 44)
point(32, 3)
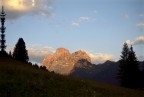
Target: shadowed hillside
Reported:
point(22, 80)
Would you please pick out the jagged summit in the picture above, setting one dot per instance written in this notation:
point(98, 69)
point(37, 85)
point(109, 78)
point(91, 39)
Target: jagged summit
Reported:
point(80, 51)
point(62, 52)
point(81, 54)
point(63, 62)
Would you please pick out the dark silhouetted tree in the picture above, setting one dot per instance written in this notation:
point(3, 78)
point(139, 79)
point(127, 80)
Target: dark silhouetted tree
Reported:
point(20, 52)
point(35, 65)
point(43, 67)
point(133, 69)
point(142, 80)
point(122, 75)
point(128, 68)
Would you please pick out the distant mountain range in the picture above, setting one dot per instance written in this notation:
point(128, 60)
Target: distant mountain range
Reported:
point(105, 72)
point(79, 64)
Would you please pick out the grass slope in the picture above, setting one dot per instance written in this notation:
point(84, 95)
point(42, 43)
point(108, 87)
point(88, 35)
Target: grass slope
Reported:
point(21, 80)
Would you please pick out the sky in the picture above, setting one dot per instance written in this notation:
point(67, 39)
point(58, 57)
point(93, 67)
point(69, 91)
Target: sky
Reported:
point(99, 27)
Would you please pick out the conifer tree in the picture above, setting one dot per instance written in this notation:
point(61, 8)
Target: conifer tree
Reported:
point(122, 74)
point(128, 68)
point(20, 52)
point(133, 69)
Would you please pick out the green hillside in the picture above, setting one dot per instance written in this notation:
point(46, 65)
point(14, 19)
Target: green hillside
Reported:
point(21, 80)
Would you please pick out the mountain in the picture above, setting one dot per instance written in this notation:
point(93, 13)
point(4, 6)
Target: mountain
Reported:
point(58, 62)
point(63, 62)
point(105, 72)
point(79, 64)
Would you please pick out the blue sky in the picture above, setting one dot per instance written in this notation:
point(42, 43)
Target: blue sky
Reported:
point(100, 27)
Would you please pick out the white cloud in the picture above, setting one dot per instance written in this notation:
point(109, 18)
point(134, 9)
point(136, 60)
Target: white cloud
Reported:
point(37, 55)
point(141, 15)
point(129, 42)
point(138, 41)
point(80, 20)
point(140, 24)
point(18, 8)
point(101, 58)
point(75, 24)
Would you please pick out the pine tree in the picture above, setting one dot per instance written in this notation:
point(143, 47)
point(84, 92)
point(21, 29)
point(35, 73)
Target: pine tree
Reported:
point(122, 74)
point(128, 68)
point(133, 69)
point(20, 52)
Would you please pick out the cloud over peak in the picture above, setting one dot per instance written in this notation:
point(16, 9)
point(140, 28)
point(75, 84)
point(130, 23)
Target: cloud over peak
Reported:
point(37, 55)
point(101, 58)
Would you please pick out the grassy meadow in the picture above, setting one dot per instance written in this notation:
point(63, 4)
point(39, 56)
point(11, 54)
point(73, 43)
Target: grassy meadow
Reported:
point(23, 80)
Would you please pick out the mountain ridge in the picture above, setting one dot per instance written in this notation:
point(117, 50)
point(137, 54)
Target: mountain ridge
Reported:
point(63, 62)
point(79, 64)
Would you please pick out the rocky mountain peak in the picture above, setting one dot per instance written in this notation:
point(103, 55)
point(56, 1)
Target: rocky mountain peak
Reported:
point(80, 52)
point(63, 62)
point(62, 50)
point(78, 55)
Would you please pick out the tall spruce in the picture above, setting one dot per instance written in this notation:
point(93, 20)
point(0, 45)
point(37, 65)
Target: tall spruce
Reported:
point(122, 74)
point(133, 70)
point(128, 68)
point(20, 52)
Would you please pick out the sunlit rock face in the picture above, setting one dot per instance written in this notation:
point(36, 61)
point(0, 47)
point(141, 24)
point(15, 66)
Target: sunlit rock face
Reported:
point(63, 62)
